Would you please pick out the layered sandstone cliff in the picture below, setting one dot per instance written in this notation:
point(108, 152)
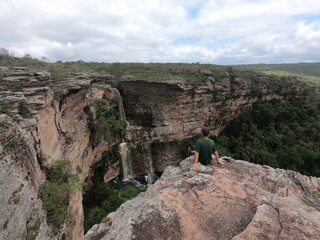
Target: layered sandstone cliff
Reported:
point(54, 123)
point(238, 200)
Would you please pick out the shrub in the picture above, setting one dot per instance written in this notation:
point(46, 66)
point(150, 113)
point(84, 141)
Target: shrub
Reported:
point(94, 216)
point(4, 106)
point(56, 192)
point(1, 74)
point(78, 169)
point(106, 198)
point(15, 86)
point(23, 110)
point(107, 125)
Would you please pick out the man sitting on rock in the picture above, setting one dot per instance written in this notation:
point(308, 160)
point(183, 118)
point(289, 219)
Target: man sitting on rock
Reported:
point(204, 149)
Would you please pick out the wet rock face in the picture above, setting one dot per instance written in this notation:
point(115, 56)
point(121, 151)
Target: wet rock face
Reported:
point(145, 101)
point(238, 200)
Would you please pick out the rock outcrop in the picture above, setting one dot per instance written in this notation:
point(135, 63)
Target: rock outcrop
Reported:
point(238, 200)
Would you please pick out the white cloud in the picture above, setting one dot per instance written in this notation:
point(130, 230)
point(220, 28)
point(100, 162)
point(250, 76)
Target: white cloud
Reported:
point(221, 31)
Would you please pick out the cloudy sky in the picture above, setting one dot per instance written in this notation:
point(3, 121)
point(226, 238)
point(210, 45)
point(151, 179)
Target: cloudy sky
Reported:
point(211, 31)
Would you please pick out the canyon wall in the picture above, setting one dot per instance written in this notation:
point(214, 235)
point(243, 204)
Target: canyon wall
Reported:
point(56, 122)
point(20, 176)
point(163, 113)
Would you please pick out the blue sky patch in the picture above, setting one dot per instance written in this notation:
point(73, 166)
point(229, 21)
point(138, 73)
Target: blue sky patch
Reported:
point(193, 12)
point(186, 40)
point(225, 42)
point(309, 18)
point(312, 18)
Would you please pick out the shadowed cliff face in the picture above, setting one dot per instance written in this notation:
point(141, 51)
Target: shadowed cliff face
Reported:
point(238, 200)
point(177, 109)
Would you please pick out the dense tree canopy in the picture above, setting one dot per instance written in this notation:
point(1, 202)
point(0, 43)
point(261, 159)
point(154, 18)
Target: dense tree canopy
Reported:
point(279, 134)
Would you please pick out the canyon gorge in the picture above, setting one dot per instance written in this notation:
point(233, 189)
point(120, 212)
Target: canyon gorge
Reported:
point(150, 122)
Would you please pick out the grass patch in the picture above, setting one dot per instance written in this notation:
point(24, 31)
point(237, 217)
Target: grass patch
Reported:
point(306, 78)
point(105, 220)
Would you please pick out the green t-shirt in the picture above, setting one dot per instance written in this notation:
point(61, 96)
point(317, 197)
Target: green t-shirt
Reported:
point(205, 148)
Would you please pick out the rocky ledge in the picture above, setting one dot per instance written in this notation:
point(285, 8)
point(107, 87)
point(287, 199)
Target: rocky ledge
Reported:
point(237, 200)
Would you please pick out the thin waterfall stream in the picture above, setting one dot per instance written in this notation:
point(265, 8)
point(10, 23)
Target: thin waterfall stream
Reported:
point(125, 161)
point(151, 177)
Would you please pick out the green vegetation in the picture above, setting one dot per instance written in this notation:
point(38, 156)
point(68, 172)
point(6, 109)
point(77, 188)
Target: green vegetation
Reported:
point(78, 169)
point(33, 231)
point(4, 106)
point(310, 72)
point(279, 134)
point(1, 74)
point(56, 192)
point(103, 199)
point(4, 225)
point(105, 220)
point(107, 125)
point(15, 86)
point(317, 193)
point(130, 71)
point(23, 110)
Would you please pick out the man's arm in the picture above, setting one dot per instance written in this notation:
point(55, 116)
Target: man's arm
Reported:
point(216, 154)
point(195, 161)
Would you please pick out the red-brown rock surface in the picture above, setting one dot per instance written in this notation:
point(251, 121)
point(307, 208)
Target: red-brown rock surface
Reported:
point(238, 200)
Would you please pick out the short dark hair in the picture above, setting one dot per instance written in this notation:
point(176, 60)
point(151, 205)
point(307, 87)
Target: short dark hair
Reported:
point(205, 131)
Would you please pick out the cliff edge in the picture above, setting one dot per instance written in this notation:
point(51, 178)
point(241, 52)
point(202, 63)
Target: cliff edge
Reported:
point(237, 200)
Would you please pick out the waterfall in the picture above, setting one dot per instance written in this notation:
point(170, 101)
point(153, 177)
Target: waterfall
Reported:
point(121, 110)
point(125, 161)
point(151, 177)
point(148, 157)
